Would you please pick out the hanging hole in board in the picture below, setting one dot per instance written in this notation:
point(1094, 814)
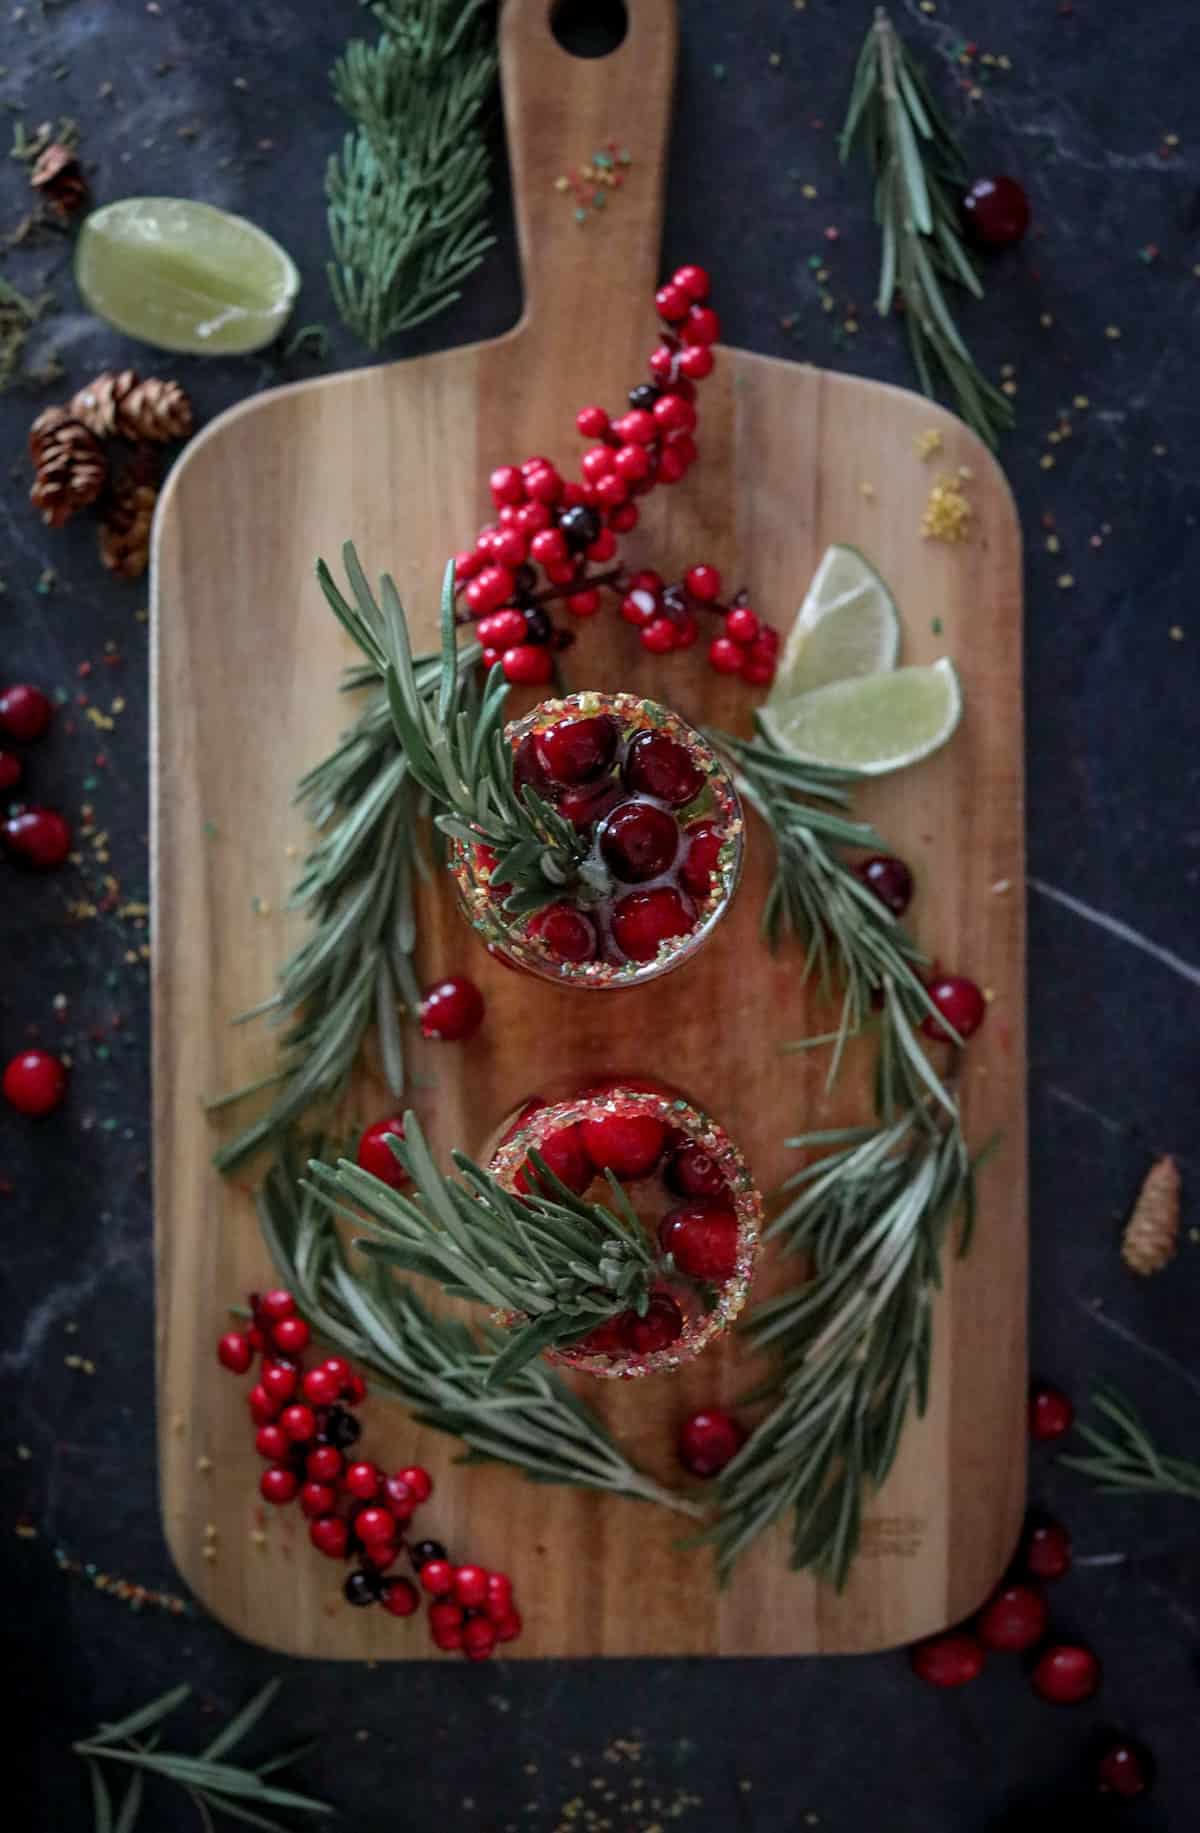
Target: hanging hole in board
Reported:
point(589, 28)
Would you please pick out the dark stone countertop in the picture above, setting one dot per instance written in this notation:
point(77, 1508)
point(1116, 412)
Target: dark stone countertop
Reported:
point(231, 103)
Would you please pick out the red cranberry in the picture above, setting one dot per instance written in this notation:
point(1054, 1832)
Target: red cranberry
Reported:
point(742, 625)
point(506, 485)
point(588, 802)
point(660, 636)
point(890, 880)
point(324, 1465)
point(658, 766)
point(693, 1172)
point(1046, 1550)
point(693, 280)
point(278, 1484)
point(330, 1536)
point(702, 1238)
point(644, 920)
point(321, 1387)
point(1124, 1768)
point(273, 1443)
point(372, 1523)
point(262, 1408)
point(362, 1480)
point(380, 1554)
point(316, 1499)
point(661, 1326)
point(478, 1638)
point(276, 1304)
point(528, 768)
point(640, 607)
point(948, 1661)
point(565, 932)
point(564, 1154)
point(499, 1598)
point(696, 362)
point(726, 656)
point(299, 1422)
point(11, 769)
point(446, 1624)
point(502, 629)
point(234, 1351)
point(376, 1156)
point(400, 1597)
point(470, 1585)
point(509, 1627)
point(708, 1440)
point(1015, 1618)
point(35, 1083)
point(437, 1577)
point(702, 326)
point(418, 1481)
point(606, 1339)
point(1066, 1673)
point(281, 1380)
point(960, 1003)
point(38, 837)
point(996, 211)
point(639, 841)
point(399, 1498)
point(705, 840)
point(291, 1335)
point(528, 664)
point(592, 422)
point(25, 713)
point(628, 1145)
point(451, 1010)
point(1050, 1414)
point(703, 582)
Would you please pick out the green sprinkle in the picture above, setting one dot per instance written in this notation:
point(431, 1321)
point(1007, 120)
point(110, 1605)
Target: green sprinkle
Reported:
point(602, 159)
point(936, 626)
point(108, 1126)
point(90, 782)
point(102, 1052)
point(210, 830)
point(624, 157)
point(599, 200)
point(581, 216)
point(815, 261)
point(719, 72)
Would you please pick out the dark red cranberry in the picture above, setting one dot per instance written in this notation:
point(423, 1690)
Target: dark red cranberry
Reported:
point(321, 1387)
point(708, 1440)
point(565, 932)
point(659, 766)
point(996, 212)
point(661, 1326)
point(11, 769)
point(639, 841)
point(361, 1588)
point(452, 1010)
point(1066, 1673)
point(478, 1638)
point(1050, 1413)
point(890, 880)
point(316, 1499)
point(577, 750)
point(528, 768)
point(376, 1156)
point(584, 803)
point(948, 1661)
point(25, 713)
point(234, 1352)
point(400, 1597)
point(605, 1339)
point(960, 1003)
point(1045, 1550)
point(278, 1484)
point(330, 1536)
point(705, 840)
point(702, 1238)
point(418, 1481)
point(628, 1145)
point(693, 1172)
point(425, 1550)
point(644, 920)
point(38, 837)
point(563, 1153)
point(341, 1429)
point(437, 1577)
point(1014, 1618)
point(1124, 1768)
point(291, 1335)
point(580, 525)
point(324, 1465)
point(35, 1083)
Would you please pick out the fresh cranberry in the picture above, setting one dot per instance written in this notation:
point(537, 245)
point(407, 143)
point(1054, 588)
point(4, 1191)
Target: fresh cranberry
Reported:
point(478, 1638)
point(299, 1422)
point(35, 1083)
point(275, 1305)
point(658, 766)
point(491, 587)
point(890, 880)
point(507, 485)
point(371, 1524)
point(640, 607)
point(644, 920)
point(470, 1585)
point(605, 1339)
point(703, 582)
point(1045, 1550)
point(693, 1172)
point(362, 1480)
point(702, 1238)
point(1124, 1768)
point(628, 1145)
point(278, 1484)
point(701, 326)
point(705, 840)
point(1014, 1618)
point(509, 1627)
point(996, 212)
point(639, 841)
point(315, 1498)
point(696, 362)
point(529, 770)
point(565, 932)
point(1066, 1673)
point(563, 1153)
point(502, 630)
point(726, 656)
point(658, 1329)
point(262, 1408)
point(376, 1156)
point(692, 280)
point(320, 1387)
point(280, 1380)
point(400, 1596)
point(529, 665)
point(11, 770)
point(672, 303)
point(25, 713)
point(708, 1440)
point(446, 1624)
point(451, 1010)
point(437, 1577)
point(1050, 1413)
point(742, 625)
point(499, 1599)
point(592, 422)
point(660, 636)
point(330, 1536)
point(585, 803)
point(584, 604)
point(324, 1464)
point(960, 1003)
point(234, 1351)
point(291, 1335)
point(38, 837)
point(273, 1443)
point(948, 1661)
point(417, 1480)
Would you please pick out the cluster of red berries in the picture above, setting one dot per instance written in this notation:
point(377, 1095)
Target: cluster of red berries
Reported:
point(33, 836)
point(554, 538)
point(959, 1001)
point(355, 1511)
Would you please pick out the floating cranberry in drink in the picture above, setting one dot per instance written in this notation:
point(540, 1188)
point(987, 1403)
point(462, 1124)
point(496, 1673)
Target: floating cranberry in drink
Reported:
point(661, 835)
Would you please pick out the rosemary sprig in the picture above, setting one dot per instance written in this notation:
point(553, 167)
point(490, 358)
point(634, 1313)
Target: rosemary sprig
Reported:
point(560, 1263)
point(212, 1782)
point(439, 1365)
point(918, 171)
point(408, 193)
point(1126, 1460)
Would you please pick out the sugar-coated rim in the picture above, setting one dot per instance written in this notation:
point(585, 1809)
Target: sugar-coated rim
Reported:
point(747, 1204)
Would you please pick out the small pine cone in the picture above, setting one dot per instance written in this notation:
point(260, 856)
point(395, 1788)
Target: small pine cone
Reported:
point(125, 529)
point(58, 175)
point(155, 410)
point(69, 464)
point(99, 404)
point(1152, 1231)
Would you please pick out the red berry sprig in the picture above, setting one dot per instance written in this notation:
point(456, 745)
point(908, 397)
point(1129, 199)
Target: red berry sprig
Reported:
point(306, 1429)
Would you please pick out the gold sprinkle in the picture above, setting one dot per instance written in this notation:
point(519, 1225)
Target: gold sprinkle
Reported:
point(928, 442)
point(1008, 388)
point(1052, 544)
point(1046, 461)
point(24, 1453)
point(1112, 331)
point(210, 1554)
point(947, 515)
point(1170, 140)
point(25, 1531)
point(1065, 581)
point(1176, 633)
point(809, 191)
point(1081, 401)
point(258, 1537)
point(1046, 320)
point(204, 1465)
point(774, 59)
point(850, 326)
point(562, 183)
point(867, 490)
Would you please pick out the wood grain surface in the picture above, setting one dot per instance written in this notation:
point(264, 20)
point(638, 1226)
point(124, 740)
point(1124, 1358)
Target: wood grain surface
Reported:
point(246, 666)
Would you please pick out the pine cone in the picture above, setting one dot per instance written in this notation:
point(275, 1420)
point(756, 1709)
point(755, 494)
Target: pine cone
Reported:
point(125, 529)
point(99, 405)
point(155, 410)
point(69, 464)
point(1152, 1231)
point(58, 175)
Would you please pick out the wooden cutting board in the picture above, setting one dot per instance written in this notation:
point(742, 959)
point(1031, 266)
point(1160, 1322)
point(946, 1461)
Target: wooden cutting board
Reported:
point(246, 668)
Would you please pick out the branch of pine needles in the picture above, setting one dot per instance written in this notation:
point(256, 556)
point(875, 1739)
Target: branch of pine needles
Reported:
point(439, 1366)
point(1126, 1460)
point(918, 170)
point(558, 1262)
point(408, 194)
point(210, 1780)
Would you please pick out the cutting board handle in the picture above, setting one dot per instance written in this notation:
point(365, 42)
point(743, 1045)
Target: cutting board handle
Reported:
point(560, 109)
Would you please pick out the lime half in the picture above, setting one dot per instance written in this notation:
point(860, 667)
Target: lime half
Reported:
point(185, 276)
point(848, 625)
point(875, 724)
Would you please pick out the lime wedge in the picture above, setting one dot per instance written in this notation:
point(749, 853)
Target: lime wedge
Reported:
point(875, 724)
point(185, 276)
point(848, 625)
